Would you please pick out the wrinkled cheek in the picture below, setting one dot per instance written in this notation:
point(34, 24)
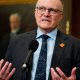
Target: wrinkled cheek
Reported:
point(38, 22)
point(37, 18)
point(54, 18)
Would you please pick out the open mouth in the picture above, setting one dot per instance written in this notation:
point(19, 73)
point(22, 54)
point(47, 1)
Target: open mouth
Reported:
point(47, 20)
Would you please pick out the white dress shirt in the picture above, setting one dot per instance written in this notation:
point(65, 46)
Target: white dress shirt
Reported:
point(50, 49)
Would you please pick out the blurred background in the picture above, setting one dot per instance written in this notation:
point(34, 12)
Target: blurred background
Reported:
point(70, 24)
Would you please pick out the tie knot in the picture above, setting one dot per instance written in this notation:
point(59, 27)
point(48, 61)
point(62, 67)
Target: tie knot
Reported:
point(44, 36)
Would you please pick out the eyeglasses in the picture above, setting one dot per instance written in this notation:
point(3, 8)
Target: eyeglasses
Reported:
point(42, 10)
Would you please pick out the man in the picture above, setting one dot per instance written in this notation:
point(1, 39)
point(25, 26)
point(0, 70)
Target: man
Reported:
point(15, 29)
point(63, 52)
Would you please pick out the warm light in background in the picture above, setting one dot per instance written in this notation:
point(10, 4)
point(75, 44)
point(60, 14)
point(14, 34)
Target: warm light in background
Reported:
point(10, 2)
point(67, 27)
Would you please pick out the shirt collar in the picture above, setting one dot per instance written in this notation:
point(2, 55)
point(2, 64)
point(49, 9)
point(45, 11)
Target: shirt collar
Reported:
point(15, 31)
point(51, 34)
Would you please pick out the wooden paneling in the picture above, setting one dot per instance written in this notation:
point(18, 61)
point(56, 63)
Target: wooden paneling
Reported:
point(76, 18)
point(12, 2)
point(67, 15)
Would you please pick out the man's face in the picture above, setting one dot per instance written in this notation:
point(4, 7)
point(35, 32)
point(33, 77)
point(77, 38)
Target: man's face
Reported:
point(14, 23)
point(48, 14)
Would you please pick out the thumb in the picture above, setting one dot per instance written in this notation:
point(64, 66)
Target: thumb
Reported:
point(73, 72)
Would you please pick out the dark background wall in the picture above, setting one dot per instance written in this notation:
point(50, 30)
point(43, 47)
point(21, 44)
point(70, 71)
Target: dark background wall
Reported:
point(26, 12)
point(76, 18)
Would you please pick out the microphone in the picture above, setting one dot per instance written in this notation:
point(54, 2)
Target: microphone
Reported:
point(32, 48)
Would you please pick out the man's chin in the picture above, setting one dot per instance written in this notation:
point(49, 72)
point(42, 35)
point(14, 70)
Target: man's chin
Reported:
point(45, 26)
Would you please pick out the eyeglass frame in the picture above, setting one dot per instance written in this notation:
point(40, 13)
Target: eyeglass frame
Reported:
point(55, 11)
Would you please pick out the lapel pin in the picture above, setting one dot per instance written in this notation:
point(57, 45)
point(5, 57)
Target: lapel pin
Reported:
point(62, 45)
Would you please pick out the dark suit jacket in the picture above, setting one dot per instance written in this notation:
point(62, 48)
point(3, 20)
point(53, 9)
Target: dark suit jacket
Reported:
point(5, 42)
point(66, 57)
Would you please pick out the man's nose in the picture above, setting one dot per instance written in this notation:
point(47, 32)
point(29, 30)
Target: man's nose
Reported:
point(47, 13)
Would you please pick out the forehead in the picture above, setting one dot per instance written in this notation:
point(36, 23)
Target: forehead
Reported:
point(50, 3)
point(14, 18)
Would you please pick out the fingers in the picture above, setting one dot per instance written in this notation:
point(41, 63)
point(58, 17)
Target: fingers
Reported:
point(1, 62)
point(5, 72)
point(73, 73)
point(54, 75)
point(61, 73)
point(10, 74)
point(3, 69)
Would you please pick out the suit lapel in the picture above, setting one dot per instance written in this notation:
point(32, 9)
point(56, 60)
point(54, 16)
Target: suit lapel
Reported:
point(60, 45)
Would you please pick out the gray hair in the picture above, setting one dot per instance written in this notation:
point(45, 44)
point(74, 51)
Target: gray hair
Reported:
point(60, 2)
point(16, 15)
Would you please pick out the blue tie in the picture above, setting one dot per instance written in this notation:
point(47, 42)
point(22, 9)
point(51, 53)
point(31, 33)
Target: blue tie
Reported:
point(41, 66)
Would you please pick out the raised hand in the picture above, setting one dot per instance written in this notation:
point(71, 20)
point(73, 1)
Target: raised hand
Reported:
point(61, 76)
point(5, 70)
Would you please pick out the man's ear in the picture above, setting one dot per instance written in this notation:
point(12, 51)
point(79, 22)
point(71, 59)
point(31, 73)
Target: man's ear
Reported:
point(61, 17)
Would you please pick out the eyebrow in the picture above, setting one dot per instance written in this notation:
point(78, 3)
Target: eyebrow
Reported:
point(61, 10)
